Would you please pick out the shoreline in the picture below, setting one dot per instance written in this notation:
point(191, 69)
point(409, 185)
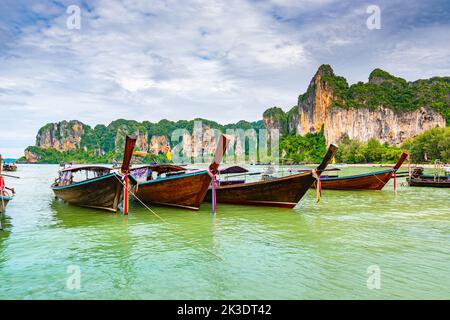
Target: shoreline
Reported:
point(366, 165)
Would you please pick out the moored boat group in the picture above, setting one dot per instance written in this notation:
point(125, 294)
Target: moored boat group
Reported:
point(109, 189)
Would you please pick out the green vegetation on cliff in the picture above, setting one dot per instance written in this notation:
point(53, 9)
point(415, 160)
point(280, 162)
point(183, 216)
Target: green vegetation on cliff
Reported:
point(52, 156)
point(427, 147)
point(103, 144)
point(311, 149)
point(384, 89)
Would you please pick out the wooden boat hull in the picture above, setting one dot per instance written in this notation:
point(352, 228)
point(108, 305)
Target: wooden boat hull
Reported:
point(283, 192)
point(4, 203)
point(104, 193)
point(418, 182)
point(370, 181)
point(184, 191)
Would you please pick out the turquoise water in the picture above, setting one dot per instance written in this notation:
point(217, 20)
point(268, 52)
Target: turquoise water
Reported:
point(317, 251)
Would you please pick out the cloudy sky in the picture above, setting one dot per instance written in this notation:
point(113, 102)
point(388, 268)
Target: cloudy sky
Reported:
point(221, 60)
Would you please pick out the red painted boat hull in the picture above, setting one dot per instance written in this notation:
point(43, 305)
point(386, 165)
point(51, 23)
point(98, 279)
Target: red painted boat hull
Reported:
point(375, 181)
point(369, 181)
point(283, 192)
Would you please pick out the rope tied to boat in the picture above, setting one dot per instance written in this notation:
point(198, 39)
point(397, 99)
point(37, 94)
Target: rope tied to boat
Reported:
point(140, 201)
point(376, 176)
point(316, 175)
point(160, 218)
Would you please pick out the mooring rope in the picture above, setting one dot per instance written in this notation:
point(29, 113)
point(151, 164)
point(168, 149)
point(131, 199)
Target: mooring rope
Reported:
point(159, 217)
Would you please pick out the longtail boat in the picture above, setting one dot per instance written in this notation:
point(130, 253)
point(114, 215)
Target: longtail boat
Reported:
point(99, 187)
point(9, 167)
point(5, 198)
point(283, 192)
point(419, 179)
point(6, 194)
point(175, 186)
point(368, 181)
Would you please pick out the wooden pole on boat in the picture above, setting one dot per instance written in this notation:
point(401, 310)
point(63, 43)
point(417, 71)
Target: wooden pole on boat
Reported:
point(125, 170)
point(126, 196)
point(332, 149)
point(331, 152)
point(214, 168)
point(397, 166)
point(401, 160)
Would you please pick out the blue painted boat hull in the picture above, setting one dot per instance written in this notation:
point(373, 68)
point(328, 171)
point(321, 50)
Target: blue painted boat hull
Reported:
point(4, 203)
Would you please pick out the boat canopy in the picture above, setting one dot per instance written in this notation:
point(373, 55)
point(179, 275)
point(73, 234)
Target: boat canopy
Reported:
point(160, 168)
point(310, 169)
point(233, 170)
point(87, 168)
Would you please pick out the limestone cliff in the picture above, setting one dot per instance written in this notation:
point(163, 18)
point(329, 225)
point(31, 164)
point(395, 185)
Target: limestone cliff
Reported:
point(377, 109)
point(31, 157)
point(62, 136)
point(157, 144)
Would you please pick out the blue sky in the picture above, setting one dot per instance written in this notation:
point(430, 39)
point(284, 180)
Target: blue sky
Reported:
point(221, 60)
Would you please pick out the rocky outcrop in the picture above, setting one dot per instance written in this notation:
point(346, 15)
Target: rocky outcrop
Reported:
point(31, 157)
point(142, 141)
point(382, 124)
point(74, 135)
point(62, 136)
point(157, 144)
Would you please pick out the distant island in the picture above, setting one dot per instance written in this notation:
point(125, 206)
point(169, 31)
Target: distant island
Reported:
point(371, 122)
